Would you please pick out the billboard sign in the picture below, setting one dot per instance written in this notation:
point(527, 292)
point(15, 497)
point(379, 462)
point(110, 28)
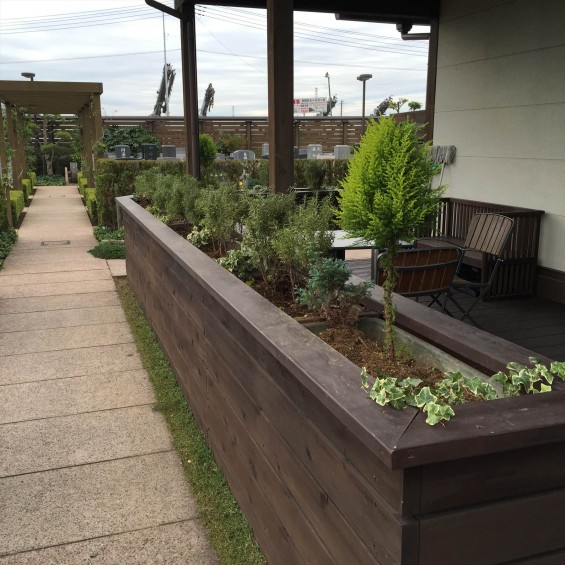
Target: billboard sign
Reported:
point(305, 105)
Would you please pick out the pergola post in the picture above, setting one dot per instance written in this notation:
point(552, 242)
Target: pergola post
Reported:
point(280, 50)
point(14, 149)
point(431, 78)
point(190, 89)
point(4, 170)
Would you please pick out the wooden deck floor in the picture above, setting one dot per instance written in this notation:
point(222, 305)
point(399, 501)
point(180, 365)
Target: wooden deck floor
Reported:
point(534, 323)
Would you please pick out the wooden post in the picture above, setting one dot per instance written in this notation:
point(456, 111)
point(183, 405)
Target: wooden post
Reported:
point(280, 50)
point(431, 80)
point(97, 133)
point(14, 149)
point(4, 170)
point(190, 89)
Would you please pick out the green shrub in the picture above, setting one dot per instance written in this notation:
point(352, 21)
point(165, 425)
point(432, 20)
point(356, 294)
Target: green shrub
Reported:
point(264, 218)
point(208, 152)
point(109, 250)
point(306, 231)
point(7, 238)
point(104, 232)
point(4, 225)
point(90, 203)
point(315, 173)
point(50, 180)
point(117, 178)
point(82, 184)
point(133, 136)
point(230, 142)
point(221, 210)
point(18, 204)
point(26, 187)
point(33, 177)
point(328, 291)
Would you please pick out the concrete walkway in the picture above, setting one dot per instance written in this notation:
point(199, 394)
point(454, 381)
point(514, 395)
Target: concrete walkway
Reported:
point(88, 473)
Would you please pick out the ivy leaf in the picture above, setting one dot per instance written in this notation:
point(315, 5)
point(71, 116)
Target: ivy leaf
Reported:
point(438, 412)
point(424, 397)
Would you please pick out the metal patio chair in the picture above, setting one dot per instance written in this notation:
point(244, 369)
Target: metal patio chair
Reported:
point(488, 235)
point(423, 272)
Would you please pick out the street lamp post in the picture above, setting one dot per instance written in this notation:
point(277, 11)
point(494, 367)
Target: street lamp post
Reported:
point(28, 75)
point(363, 78)
point(329, 95)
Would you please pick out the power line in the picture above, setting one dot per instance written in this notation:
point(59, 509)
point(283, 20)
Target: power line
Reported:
point(223, 54)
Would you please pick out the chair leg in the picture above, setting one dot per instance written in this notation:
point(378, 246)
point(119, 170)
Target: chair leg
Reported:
point(465, 311)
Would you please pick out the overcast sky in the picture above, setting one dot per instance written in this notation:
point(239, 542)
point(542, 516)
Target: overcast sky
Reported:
point(120, 44)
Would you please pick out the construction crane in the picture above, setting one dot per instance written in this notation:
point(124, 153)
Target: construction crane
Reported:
point(208, 101)
point(165, 88)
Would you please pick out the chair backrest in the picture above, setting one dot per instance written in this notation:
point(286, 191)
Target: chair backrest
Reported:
point(489, 233)
point(422, 271)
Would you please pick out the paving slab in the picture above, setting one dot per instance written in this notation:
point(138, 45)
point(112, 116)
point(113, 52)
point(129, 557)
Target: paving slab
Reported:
point(61, 318)
point(181, 543)
point(75, 395)
point(79, 503)
point(47, 365)
point(61, 267)
point(59, 302)
point(24, 259)
point(18, 343)
point(87, 466)
point(40, 445)
point(47, 289)
point(117, 267)
point(57, 277)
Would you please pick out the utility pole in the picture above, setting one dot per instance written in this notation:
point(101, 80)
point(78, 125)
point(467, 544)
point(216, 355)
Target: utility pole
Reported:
point(329, 95)
point(341, 108)
point(166, 70)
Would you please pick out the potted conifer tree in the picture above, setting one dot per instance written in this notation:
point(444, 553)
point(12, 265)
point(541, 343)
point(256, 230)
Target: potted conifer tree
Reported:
point(386, 196)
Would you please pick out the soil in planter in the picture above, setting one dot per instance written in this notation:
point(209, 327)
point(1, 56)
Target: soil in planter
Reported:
point(353, 344)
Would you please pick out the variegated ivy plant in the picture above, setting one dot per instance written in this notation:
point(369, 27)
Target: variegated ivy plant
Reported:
point(437, 401)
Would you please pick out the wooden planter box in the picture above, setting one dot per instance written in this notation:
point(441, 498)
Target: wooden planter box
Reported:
point(323, 474)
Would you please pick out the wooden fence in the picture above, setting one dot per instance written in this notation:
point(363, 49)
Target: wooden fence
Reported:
point(328, 131)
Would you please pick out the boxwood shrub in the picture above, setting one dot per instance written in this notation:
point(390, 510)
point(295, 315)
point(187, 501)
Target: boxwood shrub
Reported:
point(27, 188)
point(18, 204)
point(89, 195)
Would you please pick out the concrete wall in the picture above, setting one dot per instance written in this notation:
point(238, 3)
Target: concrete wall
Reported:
point(501, 102)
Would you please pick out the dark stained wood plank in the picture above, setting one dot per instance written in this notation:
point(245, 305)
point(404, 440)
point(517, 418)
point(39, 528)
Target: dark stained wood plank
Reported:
point(476, 480)
point(495, 533)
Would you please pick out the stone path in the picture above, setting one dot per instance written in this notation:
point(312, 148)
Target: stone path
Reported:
point(88, 473)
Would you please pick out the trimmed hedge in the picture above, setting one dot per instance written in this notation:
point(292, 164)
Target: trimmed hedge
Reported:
point(82, 185)
point(117, 178)
point(33, 177)
point(89, 195)
point(27, 188)
point(308, 173)
point(18, 204)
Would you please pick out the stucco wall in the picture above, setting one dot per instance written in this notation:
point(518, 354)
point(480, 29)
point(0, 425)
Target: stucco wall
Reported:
point(501, 101)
